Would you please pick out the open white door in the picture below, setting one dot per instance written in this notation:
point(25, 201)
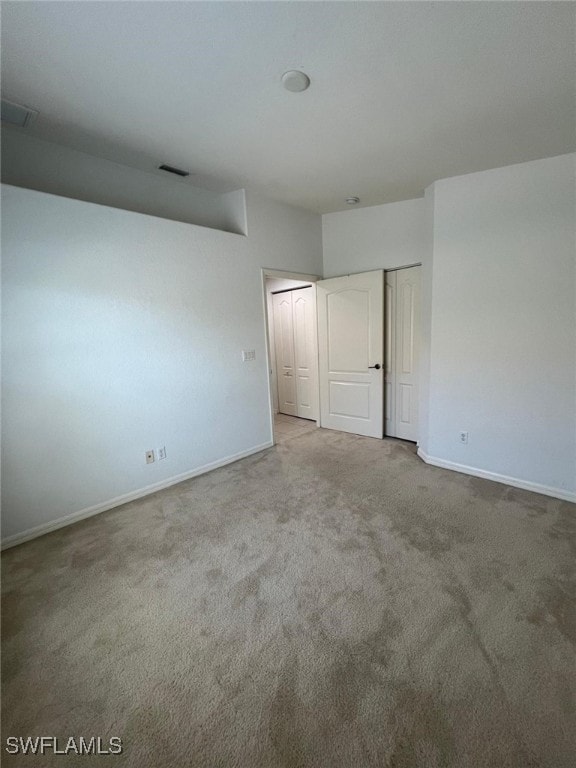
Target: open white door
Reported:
point(350, 353)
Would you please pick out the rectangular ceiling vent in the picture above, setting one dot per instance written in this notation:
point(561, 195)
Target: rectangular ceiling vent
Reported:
point(175, 171)
point(16, 114)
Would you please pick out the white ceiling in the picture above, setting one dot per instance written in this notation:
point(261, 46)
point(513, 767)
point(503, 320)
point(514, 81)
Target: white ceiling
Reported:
point(402, 93)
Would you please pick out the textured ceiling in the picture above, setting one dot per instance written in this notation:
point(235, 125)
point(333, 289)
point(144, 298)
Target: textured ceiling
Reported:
point(402, 93)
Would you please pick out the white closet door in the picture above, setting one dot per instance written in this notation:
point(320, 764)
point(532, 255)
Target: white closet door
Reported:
point(350, 352)
point(390, 355)
point(406, 352)
point(284, 342)
point(305, 352)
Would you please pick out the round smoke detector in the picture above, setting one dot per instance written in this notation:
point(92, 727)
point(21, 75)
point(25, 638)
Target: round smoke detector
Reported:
point(295, 81)
point(352, 200)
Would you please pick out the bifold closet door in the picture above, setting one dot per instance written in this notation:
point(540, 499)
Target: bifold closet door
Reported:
point(284, 343)
point(402, 350)
point(305, 352)
point(296, 352)
point(389, 355)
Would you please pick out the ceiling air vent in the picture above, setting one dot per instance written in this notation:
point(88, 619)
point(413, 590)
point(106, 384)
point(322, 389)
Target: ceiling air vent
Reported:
point(175, 171)
point(16, 114)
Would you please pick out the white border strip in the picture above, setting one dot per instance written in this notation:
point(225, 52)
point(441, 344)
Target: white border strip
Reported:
point(74, 517)
point(526, 485)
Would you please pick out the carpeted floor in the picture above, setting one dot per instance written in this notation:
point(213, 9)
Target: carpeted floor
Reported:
point(332, 602)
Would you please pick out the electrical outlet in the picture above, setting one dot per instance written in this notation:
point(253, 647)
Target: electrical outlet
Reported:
point(150, 457)
point(464, 437)
point(248, 354)
point(162, 453)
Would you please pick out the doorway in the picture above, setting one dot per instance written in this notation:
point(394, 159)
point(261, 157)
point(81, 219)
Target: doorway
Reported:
point(362, 332)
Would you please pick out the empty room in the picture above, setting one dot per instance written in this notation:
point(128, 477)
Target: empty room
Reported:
point(289, 384)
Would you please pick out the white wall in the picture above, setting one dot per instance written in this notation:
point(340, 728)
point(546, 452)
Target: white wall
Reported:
point(377, 237)
point(47, 167)
point(122, 333)
point(503, 347)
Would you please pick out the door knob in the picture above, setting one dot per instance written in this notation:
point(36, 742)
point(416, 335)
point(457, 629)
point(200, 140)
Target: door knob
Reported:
point(377, 366)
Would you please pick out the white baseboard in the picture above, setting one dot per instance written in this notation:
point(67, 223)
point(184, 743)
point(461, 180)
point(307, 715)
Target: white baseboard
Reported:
point(557, 493)
point(74, 517)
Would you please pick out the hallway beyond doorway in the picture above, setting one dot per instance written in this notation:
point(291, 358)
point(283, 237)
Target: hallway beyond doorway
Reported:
point(287, 427)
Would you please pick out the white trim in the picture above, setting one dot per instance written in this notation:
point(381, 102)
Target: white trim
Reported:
point(74, 517)
point(557, 493)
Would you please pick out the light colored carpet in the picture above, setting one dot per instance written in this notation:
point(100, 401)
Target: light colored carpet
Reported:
point(332, 602)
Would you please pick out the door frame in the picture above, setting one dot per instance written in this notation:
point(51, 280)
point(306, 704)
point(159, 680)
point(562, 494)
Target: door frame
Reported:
point(282, 275)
